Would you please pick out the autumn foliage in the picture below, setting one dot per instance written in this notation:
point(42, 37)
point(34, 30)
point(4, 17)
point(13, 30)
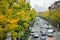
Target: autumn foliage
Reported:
point(53, 15)
point(15, 17)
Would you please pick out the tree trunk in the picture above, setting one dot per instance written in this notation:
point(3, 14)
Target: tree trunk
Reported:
point(58, 25)
point(13, 38)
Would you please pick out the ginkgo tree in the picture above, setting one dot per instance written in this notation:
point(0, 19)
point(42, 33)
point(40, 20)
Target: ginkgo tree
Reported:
point(15, 17)
point(46, 14)
point(53, 15)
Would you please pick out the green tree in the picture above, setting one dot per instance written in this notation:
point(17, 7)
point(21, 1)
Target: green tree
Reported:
point(15, 18)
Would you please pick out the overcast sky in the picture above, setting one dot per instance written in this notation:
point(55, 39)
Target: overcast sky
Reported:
point(43, 4)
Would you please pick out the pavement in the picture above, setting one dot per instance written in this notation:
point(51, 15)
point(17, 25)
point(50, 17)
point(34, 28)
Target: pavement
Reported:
point(57, 35)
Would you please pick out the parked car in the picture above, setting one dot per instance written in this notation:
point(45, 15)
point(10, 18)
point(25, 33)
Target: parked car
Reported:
point(53, 29)
point(32, 32)
point(37, 23)
point(43, 31)
point(47, 23)
point(36, 35)
point(50, 33)
point(47, 26)
point(43, 37)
